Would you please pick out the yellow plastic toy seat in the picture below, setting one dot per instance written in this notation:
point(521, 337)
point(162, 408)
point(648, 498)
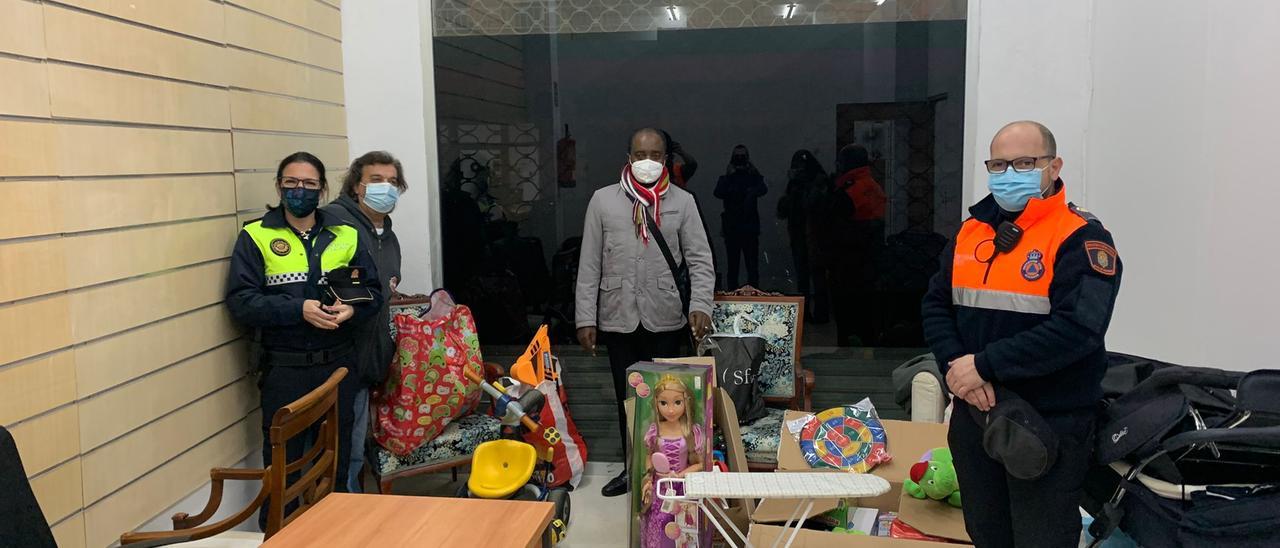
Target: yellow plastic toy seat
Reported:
point(500, 468)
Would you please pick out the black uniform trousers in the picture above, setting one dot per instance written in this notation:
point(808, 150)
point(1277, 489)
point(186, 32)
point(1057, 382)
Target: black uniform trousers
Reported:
point(743, 248)
point(1002, 511)
point(283, 385)
point(640, 345)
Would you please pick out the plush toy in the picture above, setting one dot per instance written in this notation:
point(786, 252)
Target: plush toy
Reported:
point(934, 477)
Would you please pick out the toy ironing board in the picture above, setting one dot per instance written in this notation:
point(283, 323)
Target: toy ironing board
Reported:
point(805, 486)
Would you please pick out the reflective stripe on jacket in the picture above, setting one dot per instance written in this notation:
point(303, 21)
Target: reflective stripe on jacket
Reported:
point(273, 272)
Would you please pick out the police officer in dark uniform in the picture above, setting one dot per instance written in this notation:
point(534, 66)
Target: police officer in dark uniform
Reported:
point(304, 325)
point(1016, 318)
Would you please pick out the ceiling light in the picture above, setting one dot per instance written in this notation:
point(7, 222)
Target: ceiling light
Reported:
point(673, 12)
point(791, 10)
point(879, 2)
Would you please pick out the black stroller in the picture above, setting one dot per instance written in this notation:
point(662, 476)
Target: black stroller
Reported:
point(1187, 456)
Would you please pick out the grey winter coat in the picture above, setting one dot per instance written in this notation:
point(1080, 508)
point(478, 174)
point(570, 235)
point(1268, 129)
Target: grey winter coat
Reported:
point(623, 283)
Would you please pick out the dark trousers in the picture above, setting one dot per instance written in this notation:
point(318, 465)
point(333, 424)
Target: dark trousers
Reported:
point(800, 258)
point(1003, 511)
point(743, 248)
point(626, 349)
point(282, 386)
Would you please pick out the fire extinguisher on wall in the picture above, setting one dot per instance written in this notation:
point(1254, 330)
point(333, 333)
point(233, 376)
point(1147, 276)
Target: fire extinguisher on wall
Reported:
point(566, 160)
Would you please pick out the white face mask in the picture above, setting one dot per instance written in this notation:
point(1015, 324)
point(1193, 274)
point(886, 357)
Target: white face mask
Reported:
point(646, 171)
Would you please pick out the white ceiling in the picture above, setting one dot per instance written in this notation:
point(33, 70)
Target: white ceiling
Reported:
point(507, 17)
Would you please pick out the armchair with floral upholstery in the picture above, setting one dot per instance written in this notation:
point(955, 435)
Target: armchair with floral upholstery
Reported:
point(784, 382)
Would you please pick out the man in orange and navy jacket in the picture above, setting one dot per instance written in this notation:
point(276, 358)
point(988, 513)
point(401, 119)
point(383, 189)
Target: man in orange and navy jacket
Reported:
point(1025, 308)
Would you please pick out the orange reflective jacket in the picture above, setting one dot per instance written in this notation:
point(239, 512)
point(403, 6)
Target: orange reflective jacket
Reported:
point(1034, 317)
point(977, 283)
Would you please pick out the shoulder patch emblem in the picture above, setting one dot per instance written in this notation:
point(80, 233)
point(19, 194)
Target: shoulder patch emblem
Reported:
point(1102, 257)
point(1033, 268)
point(280, 247)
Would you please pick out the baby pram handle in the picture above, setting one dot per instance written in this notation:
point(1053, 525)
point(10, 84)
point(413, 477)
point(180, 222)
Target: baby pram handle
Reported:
point(1268, 437)
point(1197, 376)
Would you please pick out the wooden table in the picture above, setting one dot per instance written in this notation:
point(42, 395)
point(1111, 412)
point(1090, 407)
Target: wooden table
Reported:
point(346, 520)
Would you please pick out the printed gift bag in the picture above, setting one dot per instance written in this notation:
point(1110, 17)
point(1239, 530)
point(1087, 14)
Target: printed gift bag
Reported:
point(738, 359)
point(426, 388)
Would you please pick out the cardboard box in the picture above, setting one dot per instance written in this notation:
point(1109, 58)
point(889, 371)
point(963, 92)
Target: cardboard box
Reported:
point(908, 441)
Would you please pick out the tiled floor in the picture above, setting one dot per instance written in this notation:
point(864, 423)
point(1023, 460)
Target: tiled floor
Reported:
point(596, 521)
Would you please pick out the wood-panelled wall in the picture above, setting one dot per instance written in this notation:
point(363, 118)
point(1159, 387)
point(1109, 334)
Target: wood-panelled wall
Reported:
point(135, 137)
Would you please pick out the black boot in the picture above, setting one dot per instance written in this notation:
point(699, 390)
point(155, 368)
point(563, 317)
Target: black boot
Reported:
point(617, 486)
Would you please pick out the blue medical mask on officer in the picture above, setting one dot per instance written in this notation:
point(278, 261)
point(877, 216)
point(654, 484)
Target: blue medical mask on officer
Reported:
point(381, 197)
point(1012, 189)
point(300, 201)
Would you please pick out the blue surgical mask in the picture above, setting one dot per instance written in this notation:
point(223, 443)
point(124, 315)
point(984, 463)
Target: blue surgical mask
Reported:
point(381, 197)
point(300, 202)
point(1012, 190)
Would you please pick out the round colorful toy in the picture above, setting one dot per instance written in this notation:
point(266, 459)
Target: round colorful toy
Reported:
point(848, 438)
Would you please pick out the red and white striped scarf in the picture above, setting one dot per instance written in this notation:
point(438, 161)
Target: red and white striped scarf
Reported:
point(645, 197)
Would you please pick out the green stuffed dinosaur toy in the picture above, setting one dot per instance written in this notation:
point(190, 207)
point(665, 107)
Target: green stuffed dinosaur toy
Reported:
point(934, 477)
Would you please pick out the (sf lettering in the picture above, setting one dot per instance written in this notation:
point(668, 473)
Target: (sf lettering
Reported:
point(740, 377)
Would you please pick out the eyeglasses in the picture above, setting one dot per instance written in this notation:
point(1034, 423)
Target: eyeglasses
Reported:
point(291, 182)
point(1020, 165)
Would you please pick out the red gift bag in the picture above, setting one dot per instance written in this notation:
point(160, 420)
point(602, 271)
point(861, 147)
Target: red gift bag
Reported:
point(426, 388)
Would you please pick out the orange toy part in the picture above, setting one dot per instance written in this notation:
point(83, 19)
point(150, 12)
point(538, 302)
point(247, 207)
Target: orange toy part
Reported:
point(531, 368)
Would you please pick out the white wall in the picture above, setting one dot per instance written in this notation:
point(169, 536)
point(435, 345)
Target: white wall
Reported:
point(390, 106)
point(1027, 59)
point(1173, 124)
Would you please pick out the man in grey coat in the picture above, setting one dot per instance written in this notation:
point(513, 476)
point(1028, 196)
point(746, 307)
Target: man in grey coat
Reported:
point(627, 294)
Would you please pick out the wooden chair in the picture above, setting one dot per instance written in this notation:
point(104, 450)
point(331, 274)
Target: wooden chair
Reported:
point(787, 384)
point(318, 468)
point(449, 451)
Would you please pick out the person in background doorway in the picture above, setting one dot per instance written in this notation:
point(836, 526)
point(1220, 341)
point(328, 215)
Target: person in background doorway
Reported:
point(740, 188)
point(276, 286)
point(462, 235)
point(627, 294)
point(806, 183)
point(908, 262)
point(680, 163)
point(370, 190)
point(1024, 319)
point(857, 231)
